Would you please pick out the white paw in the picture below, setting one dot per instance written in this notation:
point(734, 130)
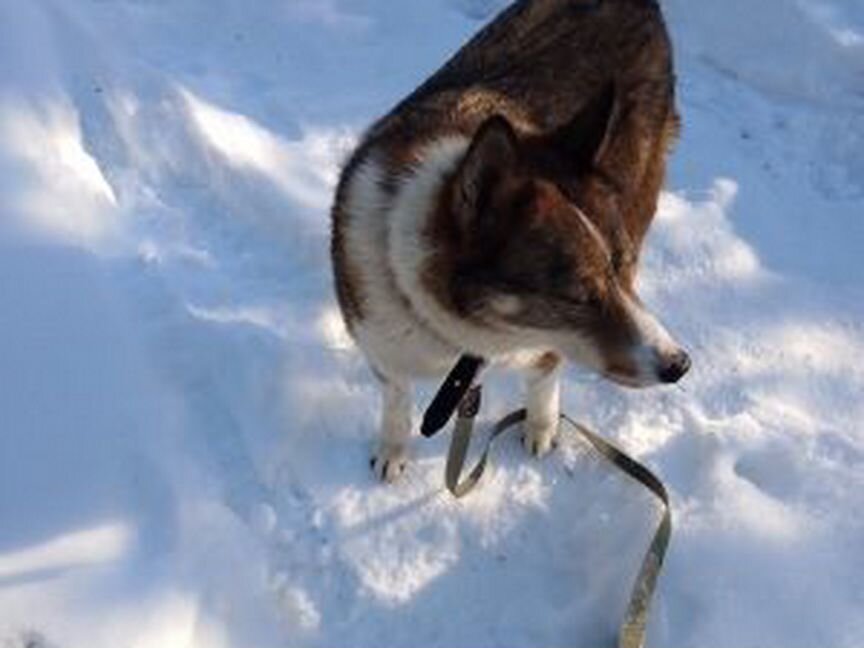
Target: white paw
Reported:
point(539, 440)
point(389, 462)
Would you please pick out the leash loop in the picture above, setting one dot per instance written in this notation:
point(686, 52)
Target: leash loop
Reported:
point(632, 631)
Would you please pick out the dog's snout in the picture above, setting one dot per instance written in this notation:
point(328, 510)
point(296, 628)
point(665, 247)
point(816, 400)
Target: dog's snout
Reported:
point(675, 367)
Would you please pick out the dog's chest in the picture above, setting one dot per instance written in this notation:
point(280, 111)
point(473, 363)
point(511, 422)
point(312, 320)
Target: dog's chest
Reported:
point(390, 333)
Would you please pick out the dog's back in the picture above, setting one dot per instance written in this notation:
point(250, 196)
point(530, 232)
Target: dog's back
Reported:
point(537, 64)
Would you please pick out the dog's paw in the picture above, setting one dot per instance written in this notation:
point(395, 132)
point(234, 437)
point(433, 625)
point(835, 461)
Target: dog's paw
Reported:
point(539, 440)
point(389, 462)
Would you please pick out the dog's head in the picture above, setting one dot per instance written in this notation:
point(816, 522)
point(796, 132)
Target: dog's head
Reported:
point(532, 260)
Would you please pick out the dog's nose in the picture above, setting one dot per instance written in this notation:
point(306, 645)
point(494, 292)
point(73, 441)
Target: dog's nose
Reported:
point(674, 367)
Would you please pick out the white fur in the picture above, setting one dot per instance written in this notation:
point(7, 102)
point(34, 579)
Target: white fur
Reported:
point(391, 457)
point(506, 305)
point(396, 342)
point(595, 233)
point(655, 342)
point(542, 402)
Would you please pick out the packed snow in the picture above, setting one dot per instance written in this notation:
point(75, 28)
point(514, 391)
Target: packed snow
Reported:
point(186, 426)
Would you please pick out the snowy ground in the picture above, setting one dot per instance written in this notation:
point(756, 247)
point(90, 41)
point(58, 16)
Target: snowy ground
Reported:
point(185, 429)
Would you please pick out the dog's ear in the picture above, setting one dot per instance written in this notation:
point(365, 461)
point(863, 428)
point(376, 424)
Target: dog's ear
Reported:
point(491, 157)
point(585, 137)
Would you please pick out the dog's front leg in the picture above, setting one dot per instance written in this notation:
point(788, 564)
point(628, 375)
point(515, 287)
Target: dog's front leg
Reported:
point(543, 403)
point(390, 459)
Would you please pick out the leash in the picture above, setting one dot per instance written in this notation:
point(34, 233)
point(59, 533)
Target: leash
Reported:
point(459, 393)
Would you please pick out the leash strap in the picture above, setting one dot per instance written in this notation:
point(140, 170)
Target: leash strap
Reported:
point(633, 628)
point(468, 410)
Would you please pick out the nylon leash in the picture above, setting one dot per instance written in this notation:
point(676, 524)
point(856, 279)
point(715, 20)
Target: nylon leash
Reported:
point(634, 626)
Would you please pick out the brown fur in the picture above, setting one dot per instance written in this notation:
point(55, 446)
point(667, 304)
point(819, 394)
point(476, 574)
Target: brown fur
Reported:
point(589, 88)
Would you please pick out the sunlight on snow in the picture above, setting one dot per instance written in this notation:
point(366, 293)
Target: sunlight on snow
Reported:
point(262, 317)
point(807, 348)
point(70, 197)
point(398, 575)
point(702, 237)
point(331, 328)
point(295, 167)
point(103, 544)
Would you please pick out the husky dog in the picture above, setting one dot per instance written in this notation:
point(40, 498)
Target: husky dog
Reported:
point(499, 211)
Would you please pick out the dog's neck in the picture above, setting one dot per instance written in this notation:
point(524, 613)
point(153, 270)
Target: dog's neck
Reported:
point(411, 252)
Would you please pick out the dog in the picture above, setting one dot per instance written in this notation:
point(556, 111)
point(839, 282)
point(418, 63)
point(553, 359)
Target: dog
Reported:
point(500, 208)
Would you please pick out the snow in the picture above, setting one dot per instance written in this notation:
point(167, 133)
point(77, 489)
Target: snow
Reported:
point(186, 426)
